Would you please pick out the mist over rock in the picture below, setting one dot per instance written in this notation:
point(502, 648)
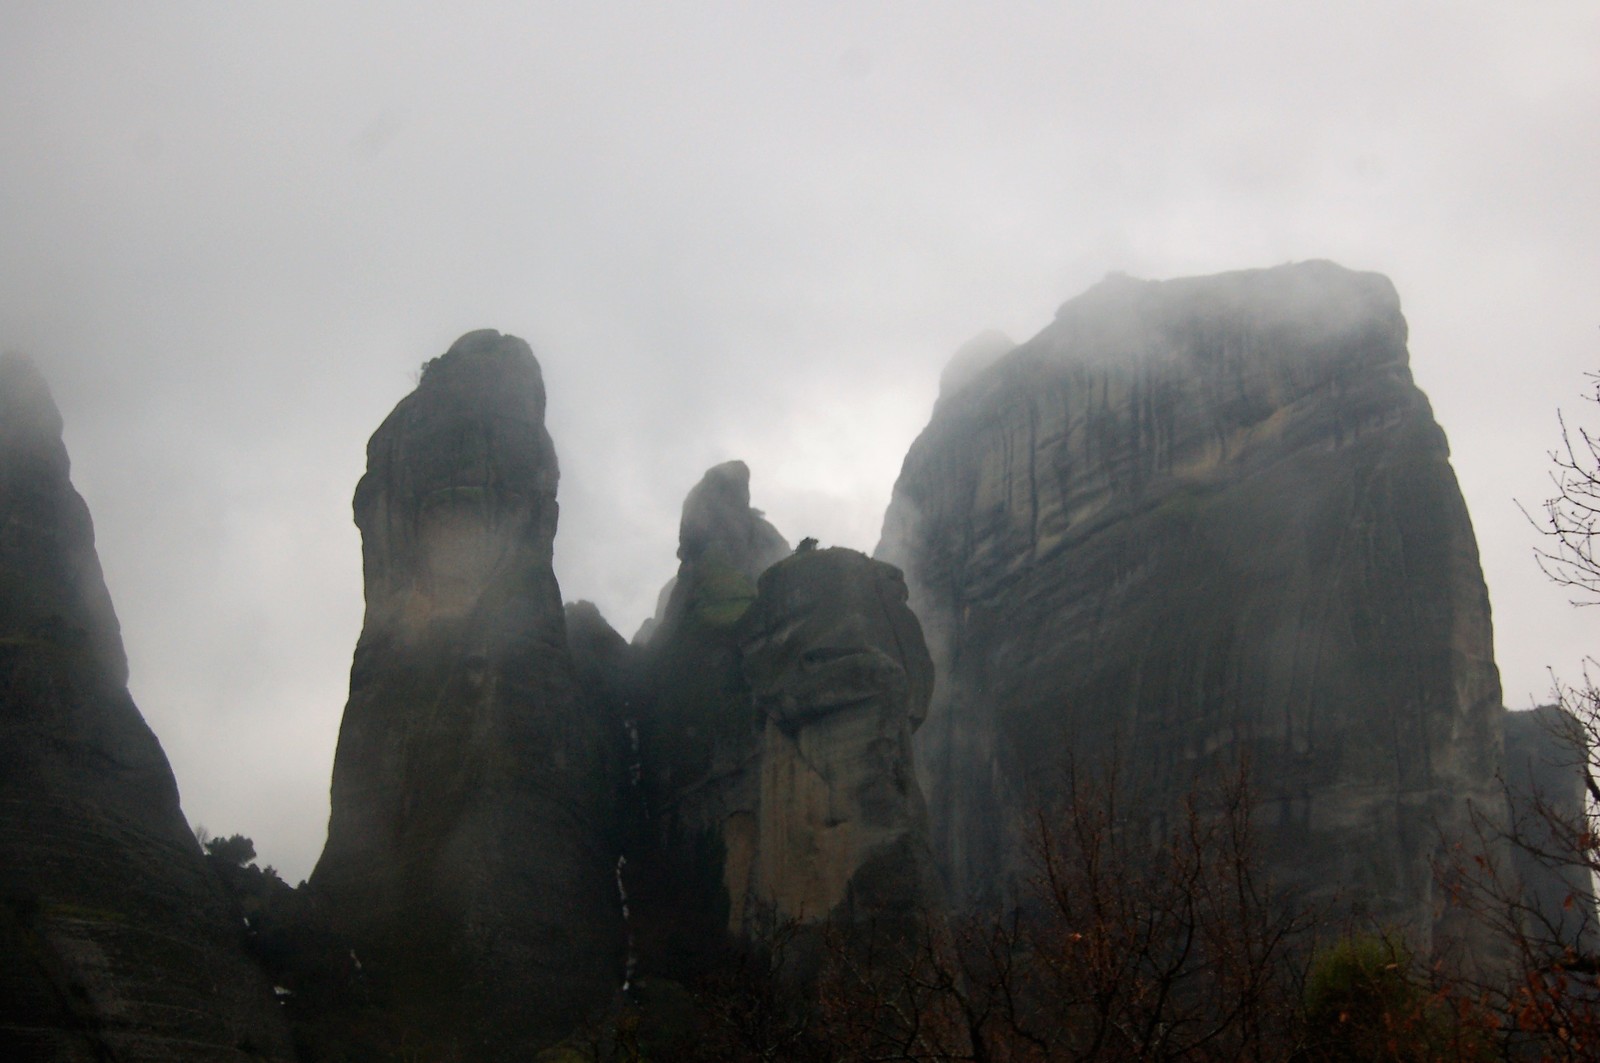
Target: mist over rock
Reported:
point(1547, 758)
point(115, 940)
point(698, 734)
point(467, 850)
point(724, 541)
point(1196, 521)
point(1192, 529)
point(775, 741)
point(837, 665)
point(971, 359)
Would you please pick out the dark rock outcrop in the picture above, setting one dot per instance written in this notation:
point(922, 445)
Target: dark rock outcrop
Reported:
point(699, 736)
point(719, 524)
point(468, 850)
point(837, 666)
point(610, 677)
point(1192, 523)
point(116, 942)
point(1547, 757)
point(697, 731)
point(776, 743)
point(724, 543)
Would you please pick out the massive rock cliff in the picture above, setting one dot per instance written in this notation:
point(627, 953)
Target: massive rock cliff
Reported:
point(1192, 523)
point(468, 852)
point(116, 942)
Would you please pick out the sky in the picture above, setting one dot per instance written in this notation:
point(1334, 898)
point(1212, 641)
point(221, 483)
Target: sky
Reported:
point(233, 232)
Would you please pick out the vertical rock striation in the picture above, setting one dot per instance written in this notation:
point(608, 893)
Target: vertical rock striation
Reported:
point(1192, 523)
point(467, 848)
point(116, 942)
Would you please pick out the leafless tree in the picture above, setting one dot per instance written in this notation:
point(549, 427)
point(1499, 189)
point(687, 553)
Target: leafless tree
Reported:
point(1537, 895)
point(1130, 944)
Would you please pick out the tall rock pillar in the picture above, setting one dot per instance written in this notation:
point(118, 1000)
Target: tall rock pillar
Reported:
point(467, 851)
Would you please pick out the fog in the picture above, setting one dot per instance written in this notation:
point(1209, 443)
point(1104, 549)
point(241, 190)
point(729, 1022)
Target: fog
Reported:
point(234, 232)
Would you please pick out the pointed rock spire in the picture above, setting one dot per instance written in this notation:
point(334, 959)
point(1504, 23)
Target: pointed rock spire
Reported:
point(467, 853)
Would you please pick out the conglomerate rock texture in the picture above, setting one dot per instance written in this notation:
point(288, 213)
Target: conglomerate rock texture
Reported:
point(116, 942)
point(1194, 523)
point(468, 852)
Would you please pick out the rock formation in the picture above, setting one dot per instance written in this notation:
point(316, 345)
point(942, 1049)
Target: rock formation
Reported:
point(1547, 760)
point(699, 711)
point(1192, 523)
point(699, 736)
point(1191, 529)
point(116, 942)
point(776, 738)
point(468, 852)
point(724, 542)
point(837, 666)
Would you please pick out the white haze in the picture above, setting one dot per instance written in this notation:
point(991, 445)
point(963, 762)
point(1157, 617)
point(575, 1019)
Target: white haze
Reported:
point(233, 232)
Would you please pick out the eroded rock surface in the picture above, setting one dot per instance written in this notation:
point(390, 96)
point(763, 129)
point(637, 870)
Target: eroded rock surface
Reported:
point(838, 668)
point(116, 942)
point(776, 744)
point(468, 852)
point(1192, 522)
point(724, 544)
point(699, 736)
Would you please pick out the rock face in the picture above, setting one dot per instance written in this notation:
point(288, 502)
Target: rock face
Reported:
point(838, 668)
point(1192, 522)
point(468, 852)
point(116, 942)
point(1547, 754)
point(699, 749)
point(776, 738)
point(723, 543)
point(697, 730)
point(719, 525)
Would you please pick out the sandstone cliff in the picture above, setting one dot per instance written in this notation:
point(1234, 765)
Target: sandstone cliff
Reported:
point(837, 667)
point(775, 739)
point(468, 853)
point(116, 942)
point(699, 736)
point(1192, 522)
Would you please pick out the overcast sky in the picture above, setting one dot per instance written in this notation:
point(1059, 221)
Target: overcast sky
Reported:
point(232, 232)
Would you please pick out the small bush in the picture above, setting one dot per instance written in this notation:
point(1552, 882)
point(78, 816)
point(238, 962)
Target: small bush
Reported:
point(235, 851)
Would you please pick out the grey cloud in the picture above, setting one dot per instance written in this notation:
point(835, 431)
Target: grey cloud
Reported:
point(233, 235)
